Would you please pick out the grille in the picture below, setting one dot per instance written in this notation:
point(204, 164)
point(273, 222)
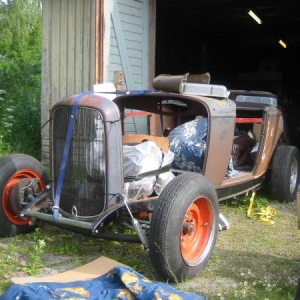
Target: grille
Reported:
point(83, 189)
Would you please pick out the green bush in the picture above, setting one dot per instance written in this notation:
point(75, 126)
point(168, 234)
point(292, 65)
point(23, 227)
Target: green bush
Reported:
point(20, 77)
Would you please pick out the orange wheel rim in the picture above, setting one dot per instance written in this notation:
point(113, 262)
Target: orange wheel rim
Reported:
point(6, 193)
point(197, 225)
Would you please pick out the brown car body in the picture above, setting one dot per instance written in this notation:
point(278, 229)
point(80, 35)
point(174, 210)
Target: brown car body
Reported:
point(265, 119)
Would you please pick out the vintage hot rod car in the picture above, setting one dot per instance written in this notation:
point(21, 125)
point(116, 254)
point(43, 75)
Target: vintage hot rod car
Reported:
point(170, 206)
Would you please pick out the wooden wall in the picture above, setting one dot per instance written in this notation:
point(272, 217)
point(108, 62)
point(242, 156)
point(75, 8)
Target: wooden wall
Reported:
point(87, 42)
point(68, 54)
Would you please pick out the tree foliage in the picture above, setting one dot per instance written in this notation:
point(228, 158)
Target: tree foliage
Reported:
point(20, 75)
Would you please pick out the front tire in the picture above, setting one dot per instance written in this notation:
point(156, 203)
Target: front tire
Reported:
point(284, 178)
point(16, 171)
point(184, 227)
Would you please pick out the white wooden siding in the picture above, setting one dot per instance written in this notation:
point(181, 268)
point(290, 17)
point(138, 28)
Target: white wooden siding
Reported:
point(129, 43)
point(129, 34)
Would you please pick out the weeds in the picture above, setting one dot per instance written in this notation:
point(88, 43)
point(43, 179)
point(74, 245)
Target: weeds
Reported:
point(19, 260)
point(19, 126)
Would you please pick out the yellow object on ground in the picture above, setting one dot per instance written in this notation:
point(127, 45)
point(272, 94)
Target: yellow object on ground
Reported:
point(251, 204)
point(263, 214)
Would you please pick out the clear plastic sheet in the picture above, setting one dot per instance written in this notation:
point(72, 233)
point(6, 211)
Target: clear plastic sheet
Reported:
point(142, 158)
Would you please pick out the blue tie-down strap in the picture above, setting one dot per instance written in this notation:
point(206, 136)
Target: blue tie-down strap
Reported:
point(121, 283)
point(137, 91)
point(126, 92)
point(65, 156)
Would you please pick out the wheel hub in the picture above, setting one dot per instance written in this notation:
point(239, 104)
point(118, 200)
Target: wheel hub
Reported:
point(188, 228)
point(293, 176)
point(18, 194)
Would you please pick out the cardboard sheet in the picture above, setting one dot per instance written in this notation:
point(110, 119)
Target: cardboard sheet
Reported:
point(88, 271)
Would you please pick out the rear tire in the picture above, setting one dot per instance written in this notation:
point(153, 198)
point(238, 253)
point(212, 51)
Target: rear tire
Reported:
point(284, 177)
point(184, 227)
point(16, 171)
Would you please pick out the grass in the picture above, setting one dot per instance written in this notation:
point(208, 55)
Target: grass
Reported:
point(251, 260)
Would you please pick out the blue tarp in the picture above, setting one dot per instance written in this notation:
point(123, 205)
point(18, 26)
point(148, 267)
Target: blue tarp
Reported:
point(188, 143)
point(119, 283)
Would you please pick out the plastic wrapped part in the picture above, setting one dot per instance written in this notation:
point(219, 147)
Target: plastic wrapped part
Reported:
point(140, 187)
point(257, 99)
point(164, 178)
point(260, 97)
point(95, 153)
point(188, 142)
point(207, 90)
point(169, 83)
point(143, 158)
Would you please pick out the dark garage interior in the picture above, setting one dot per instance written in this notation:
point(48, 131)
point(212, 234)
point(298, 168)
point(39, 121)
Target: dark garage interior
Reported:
point(220, 37)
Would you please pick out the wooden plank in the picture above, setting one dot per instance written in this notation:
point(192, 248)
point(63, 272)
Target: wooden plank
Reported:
point(46, 80)
point(86, 45)
point(46, 34)
point(54, 44)
point(78, 46)
point(151, 26)
point(298, 208)
point(122, 48)
point(107, 34)
point(145, 44)
point(134, 139)
point(92, 54)
point(71, 48)
point(133, 8)
point(63, 55)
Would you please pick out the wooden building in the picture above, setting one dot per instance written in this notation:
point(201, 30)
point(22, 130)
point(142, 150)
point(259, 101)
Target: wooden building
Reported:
point(86, 42)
